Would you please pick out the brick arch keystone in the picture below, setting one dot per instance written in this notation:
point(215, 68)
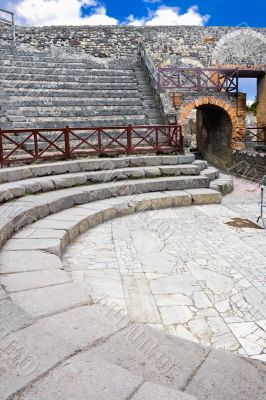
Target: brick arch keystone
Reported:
point(238, 127)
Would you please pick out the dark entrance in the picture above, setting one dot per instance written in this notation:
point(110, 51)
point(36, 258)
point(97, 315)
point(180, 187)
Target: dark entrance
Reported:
point(214, 134)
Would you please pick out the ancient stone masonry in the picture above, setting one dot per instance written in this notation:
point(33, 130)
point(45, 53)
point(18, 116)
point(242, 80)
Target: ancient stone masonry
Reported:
point(183, 45)
point(83, 49)
point(251, 165)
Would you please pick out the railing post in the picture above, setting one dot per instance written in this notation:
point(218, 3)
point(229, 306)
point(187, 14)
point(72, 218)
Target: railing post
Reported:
point(36, 147)
point(99, 131)
point(1, 149)
point(129, 139)
point(67, 143)
point(181, 139)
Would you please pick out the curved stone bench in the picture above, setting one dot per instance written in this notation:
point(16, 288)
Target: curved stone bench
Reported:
point(18, 213)
point(18, 189)
point(18, 173)
point(67, 339)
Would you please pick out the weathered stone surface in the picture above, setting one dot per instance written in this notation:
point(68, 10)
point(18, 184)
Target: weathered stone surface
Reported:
point(3, 293)
point(204, 196)
point(12, 317)
point(83, 379)
point(32, 260)
point(33, 280)
point(88, 324)
point(211, 173)
point(202, 164)
point(29, 353)
point(152, 172)
point(152, 355)
point(186, 159)
point(224, 377)
point(45, 301)
point(51, 245)
point(151, 391)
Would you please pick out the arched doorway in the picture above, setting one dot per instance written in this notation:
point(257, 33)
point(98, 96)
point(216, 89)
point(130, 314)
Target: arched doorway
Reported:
point(218, 129)
point(214, 134)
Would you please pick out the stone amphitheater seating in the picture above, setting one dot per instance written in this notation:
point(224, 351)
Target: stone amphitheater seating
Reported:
point(43, 91)
point(70, 342)
point(74, 338)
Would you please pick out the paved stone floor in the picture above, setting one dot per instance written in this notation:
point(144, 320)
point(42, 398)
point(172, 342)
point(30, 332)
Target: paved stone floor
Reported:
point(194, 272)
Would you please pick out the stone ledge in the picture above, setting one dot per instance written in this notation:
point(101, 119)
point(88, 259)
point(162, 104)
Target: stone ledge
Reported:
point(10, 191)
point(82, 165)
point(24, 211)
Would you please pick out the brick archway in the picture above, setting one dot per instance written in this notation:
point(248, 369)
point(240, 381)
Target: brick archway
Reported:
point(238, 123)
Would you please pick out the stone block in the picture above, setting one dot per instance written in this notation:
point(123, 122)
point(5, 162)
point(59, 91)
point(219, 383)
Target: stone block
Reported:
point(70, 226)
point(152, 391)
point(49, 245)
point(211, 173)
point(186, 159)
point(49, 300)
point(204, 196)
point(23, 261)
point(152, 172)
point(137, 174)
point(152, 355)
point(202, 164)
point(225, 376)
point(82, 379)
point(12, 318)
point(29, 353)
point(167, 160)
point(179, 198)
point(33, 280)
point(136, 162)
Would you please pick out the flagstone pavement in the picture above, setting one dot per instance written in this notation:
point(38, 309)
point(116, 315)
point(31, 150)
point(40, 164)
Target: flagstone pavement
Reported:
point(194, 272)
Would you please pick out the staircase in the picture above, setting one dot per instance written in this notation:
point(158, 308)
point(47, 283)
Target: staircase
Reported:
point(46, 91)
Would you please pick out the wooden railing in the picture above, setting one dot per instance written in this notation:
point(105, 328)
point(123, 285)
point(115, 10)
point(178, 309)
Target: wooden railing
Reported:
point(30, 145)
point(257, 135)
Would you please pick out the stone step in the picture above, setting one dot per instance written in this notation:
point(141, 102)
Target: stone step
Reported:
point(59, 78)
point(30, 57)
point(97, 120)
point(77, 101)
point(84, 111)
point(19, 69)
point(18, 173)
point(18, 189)
point(223, 184)
point(79, 92)
point(25, 210)
point(40, 85)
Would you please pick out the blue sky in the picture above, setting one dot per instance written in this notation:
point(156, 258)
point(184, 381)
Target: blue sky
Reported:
point(221, 12)
point(139, 12)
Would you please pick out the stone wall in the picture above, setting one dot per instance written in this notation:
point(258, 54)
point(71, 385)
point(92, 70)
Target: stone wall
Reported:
point(178, 45)
point(249, 164)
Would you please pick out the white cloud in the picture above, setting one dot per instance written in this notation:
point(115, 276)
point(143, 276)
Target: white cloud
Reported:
point(170, 16)
point(68, 12)
point(152, 1)
point(60, 12)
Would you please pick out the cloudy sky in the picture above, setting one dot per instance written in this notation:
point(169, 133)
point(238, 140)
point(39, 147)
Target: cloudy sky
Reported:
point(138, 12)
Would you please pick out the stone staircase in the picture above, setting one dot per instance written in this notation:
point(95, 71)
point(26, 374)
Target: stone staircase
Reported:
point(46, 91)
